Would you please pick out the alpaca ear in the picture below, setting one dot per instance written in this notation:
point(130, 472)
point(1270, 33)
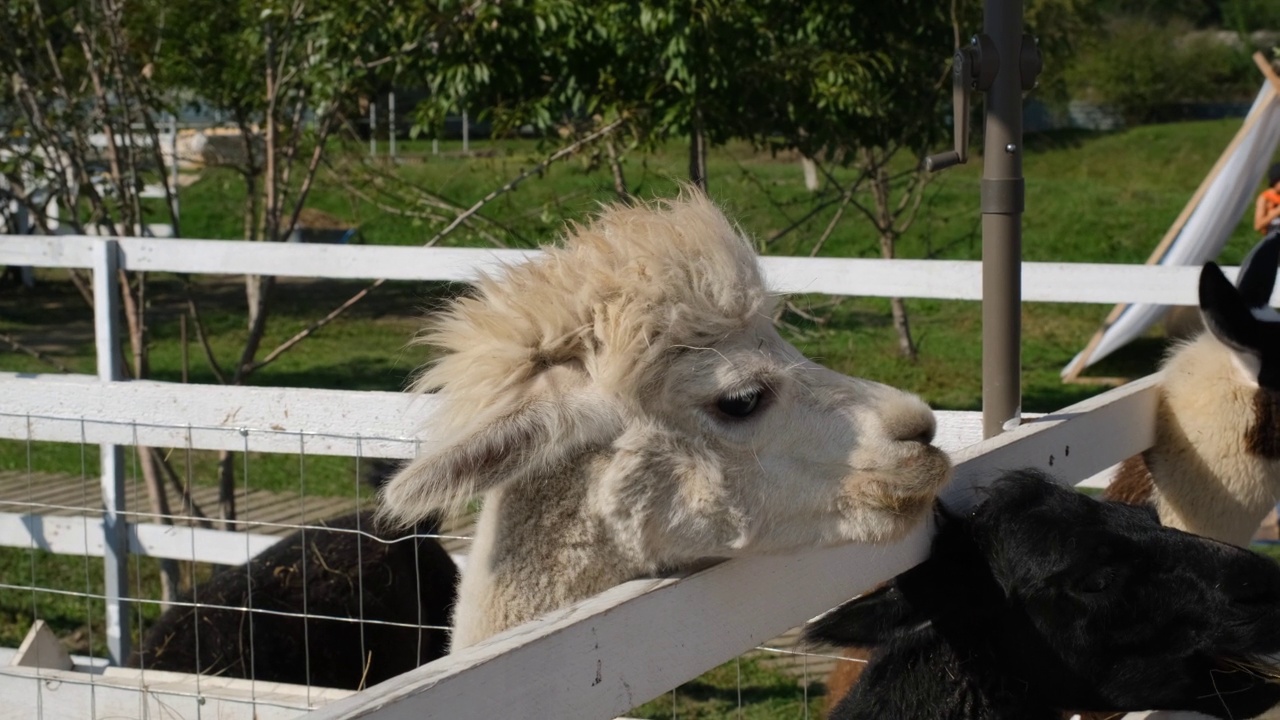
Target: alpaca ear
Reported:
point(1257, 277)
point(866, 621)
point(1226, 312)
point(536, 438)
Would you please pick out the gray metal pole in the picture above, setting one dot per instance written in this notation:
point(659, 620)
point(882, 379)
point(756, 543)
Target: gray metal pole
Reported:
point(391, 123)
point(1002, 206)
point(115, 540)
point(373, 127)
point(466, 133)
point(173, 153)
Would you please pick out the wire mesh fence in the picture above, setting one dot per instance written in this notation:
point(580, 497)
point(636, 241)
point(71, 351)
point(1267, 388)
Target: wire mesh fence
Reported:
point(298, 597)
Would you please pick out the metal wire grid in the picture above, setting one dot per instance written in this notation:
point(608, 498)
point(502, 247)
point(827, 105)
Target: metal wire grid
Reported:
point(806, 667)
point(42, 497)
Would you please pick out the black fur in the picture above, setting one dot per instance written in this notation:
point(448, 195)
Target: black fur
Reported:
point(409, 580)
point(1043, 599)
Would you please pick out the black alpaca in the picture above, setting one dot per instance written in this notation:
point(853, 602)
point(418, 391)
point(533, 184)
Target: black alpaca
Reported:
point(395, 578)
point(1043, 599)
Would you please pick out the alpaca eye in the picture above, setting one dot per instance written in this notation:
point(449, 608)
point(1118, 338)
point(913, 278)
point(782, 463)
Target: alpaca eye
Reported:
point(741, 405)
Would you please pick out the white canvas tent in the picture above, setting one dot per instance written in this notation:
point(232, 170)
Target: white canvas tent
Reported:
point(1204, 225)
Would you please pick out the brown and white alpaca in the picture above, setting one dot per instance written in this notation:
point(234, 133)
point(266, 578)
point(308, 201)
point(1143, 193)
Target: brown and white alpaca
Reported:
point(625, 406)
point(1214, 469)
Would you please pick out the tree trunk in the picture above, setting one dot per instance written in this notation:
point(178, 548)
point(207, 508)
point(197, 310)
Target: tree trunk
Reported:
point(615, 167)
point(810, 169)
point(134, 300)
point(906, 346)
point(880, 188)
point(169, 572)
point(226, 490)
point(698, 153)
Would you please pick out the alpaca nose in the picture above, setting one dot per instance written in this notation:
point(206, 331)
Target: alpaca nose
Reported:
point(908, 419)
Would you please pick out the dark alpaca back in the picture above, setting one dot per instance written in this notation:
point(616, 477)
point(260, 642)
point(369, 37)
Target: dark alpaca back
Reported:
point(391, 577)
point(1042, 599)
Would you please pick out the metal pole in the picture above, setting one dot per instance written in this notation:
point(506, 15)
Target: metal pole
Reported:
point(173, 153)
point(115, 532)
point(1002, 206)
point(373, 127)
point(466, 133)
point(391, 123)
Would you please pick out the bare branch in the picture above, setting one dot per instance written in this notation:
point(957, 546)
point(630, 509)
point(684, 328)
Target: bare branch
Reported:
point(17, 345)
point(846, 197)
point(313, 327)
point(189, 506)
point(203, 338)
point(525, 175)
point(322, 135)
point(338, 311)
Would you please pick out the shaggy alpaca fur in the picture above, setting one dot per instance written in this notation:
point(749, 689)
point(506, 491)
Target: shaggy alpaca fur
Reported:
point(374, 576)
point(1215, 467)
point(625, 406)
point(1042, 598)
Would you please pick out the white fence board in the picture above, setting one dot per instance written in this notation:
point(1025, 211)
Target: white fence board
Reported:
point(212, 417)
point(121, 693)
point(65, 535)
point(76, 408)
point(942, 279)
point(603, 656)
point(1075, 443)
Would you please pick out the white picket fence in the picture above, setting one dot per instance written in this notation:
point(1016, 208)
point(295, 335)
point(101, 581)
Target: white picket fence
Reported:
point(598, 658)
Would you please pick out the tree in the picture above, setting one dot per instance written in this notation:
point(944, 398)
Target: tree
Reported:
point(285, 72)
point(83, 142)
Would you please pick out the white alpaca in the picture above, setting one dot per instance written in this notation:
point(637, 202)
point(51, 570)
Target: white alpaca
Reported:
point(1215, 467)
point(626, 407)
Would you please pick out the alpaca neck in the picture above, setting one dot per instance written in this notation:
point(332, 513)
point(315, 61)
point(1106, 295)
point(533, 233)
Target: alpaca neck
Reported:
point(1207, 481)
point(536, 549)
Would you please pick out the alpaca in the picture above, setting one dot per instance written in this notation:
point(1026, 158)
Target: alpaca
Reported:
point(1043, 598)
point(1214, 469)
point(377, 601)
point(625, 407)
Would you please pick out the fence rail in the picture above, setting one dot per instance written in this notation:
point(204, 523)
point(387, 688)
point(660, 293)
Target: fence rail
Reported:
point(938, 279)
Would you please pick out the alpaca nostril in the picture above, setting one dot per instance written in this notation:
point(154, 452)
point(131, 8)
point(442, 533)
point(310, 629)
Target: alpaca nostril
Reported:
point(913, 425)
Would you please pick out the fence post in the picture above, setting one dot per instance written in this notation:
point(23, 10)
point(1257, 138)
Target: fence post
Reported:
point(391, 123)
point(115, 541)
point(173, 153)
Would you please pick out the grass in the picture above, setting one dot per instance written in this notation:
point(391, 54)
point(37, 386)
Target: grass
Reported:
point(1089, 198)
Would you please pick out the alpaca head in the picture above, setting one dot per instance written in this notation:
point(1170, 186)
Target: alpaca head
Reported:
point(1242, 319)
point(1076, 604)
point(642, 353)
point(1240, 316)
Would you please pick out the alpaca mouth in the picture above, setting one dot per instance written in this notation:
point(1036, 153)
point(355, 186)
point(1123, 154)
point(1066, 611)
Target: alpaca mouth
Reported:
point(904, 489)
point(923, 473)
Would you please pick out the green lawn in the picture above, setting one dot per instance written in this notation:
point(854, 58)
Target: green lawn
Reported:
point(1090, 197)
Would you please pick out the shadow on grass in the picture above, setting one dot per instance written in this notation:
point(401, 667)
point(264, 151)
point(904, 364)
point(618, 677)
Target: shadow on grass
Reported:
point(751, 694)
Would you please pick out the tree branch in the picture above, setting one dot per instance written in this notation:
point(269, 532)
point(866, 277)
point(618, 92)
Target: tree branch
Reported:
point(525, 175)
point(203, 338)
point(313, 327)
point(17, 345)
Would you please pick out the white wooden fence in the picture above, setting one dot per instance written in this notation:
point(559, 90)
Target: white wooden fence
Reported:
point(598, 658)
